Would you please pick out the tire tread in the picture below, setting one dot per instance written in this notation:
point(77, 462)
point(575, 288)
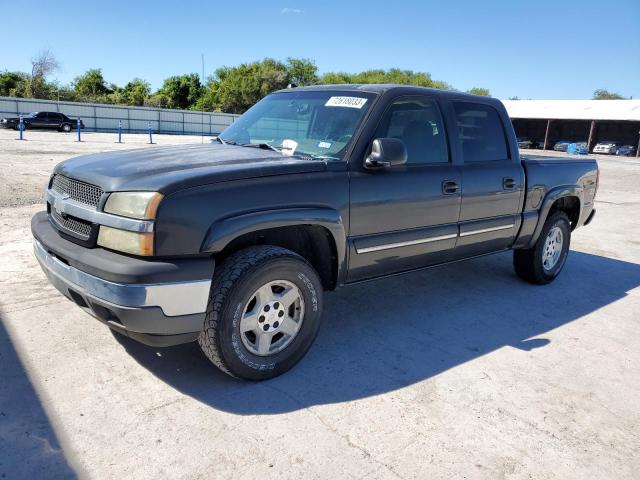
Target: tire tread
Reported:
point(525, 261)
point(232, 269)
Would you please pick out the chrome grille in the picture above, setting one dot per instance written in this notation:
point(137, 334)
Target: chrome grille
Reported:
point(77, 190)
point(72, 225)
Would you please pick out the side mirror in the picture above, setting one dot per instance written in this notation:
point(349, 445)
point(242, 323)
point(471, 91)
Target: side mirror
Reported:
point(386, 152)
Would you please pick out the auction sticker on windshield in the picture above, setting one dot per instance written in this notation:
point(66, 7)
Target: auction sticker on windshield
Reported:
point(351, 102)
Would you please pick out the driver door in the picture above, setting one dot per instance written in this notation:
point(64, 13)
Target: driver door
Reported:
point(405, 217)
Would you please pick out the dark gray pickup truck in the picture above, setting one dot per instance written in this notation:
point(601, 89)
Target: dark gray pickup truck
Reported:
point(233, 243)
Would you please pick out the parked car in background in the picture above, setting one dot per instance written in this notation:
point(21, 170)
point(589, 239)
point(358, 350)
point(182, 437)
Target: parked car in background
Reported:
point(42, 120)
point(626, 151)
point(580, 148)
point(562, 145)
point(525, 142)
point(607, 147)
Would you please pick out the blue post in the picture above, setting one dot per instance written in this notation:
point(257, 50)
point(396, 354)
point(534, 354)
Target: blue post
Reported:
point(150, 137)
point(78, 125)
point(21, 127)
point(119, 131)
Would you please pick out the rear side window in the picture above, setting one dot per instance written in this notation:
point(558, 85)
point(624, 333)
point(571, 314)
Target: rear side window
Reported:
point(54, 116)
point(481, 132)
point(417, 122)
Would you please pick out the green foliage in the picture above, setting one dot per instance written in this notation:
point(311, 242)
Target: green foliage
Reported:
point(393, 75)
point(235, 89)
point(230, 89)
point(91, 87)
point(13, 84)
point(479, 91)
point(135, 92)
point(302, 71)
point(602, 94)
point(180, 91)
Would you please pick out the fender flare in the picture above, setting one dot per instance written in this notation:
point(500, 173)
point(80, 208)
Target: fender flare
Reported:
point(550, 198)
point(224, 231)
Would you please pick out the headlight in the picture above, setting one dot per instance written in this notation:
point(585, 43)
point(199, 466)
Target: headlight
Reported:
point(135, 243)
point(141, 205)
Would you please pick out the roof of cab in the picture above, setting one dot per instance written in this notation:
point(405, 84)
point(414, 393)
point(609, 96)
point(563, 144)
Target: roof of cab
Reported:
point(380, 88)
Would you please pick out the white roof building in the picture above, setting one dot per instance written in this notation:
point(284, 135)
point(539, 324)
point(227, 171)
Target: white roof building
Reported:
point(616, 110)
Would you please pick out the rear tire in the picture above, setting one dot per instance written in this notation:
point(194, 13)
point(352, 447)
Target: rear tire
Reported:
point(264, 313)
point(542, 263)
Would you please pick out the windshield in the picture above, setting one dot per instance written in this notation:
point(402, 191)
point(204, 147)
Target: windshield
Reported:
point(32, 115)
point(308, 123)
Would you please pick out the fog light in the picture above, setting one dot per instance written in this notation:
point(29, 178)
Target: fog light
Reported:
point(136, 243)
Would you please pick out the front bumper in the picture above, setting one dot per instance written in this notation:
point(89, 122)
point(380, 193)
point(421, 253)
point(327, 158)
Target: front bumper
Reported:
point(168, 312)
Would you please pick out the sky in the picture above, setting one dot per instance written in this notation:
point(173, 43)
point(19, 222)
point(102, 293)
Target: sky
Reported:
point(562, 49)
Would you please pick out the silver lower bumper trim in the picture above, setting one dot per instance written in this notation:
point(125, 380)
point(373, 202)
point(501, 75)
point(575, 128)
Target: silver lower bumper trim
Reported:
point(180, 298)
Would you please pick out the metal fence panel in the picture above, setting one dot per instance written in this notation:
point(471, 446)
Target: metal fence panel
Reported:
point(105, 118)
point(111, 112)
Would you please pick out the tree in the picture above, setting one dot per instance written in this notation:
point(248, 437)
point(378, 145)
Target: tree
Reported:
point(42, 65)
point(302, 71)
point(235, 89)
point(180, 91)
point(336, 78)
point(479, 91)
point(13, 84)
point(91, 86)
point(136, 92)
point(393, 75)
point(602, 94)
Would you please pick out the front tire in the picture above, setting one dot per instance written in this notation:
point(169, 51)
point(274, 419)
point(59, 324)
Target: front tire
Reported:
point(264, 313)
point(66, 128)
point(542, 263)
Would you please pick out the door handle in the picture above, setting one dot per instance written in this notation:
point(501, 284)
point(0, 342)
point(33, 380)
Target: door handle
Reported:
point(508, 183)
point(449, 187)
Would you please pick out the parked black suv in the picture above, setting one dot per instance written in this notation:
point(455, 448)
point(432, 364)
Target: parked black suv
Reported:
point(43, 120)
point(232, 244)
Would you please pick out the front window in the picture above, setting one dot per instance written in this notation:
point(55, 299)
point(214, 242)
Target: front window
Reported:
point(319, 124)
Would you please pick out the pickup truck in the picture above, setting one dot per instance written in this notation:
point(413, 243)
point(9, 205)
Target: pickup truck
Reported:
point(233, 243)
point(42, 120)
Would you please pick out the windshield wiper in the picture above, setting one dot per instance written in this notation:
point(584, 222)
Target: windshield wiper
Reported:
point(264, 146)
point(315, 156)
point(225, 142)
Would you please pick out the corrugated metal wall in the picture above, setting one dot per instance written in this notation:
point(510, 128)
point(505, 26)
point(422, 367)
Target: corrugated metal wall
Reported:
point(105, 118)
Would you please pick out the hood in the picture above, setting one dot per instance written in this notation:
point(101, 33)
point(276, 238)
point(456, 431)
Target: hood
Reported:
point(167, 169)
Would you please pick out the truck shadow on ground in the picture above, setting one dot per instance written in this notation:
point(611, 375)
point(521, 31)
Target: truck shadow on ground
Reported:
point(385, 335)
point(29, 446)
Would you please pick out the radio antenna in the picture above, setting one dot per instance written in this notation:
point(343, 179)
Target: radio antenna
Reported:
point(202, 118)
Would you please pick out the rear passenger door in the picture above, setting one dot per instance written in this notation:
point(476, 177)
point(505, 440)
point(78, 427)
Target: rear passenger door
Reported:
point(492, 179)
point(53, 119)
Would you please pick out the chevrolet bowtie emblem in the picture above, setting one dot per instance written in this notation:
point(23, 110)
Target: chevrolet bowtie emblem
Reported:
point(59, 202)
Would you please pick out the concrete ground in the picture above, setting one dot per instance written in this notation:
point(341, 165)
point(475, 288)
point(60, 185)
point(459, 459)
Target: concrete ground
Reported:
point(458, 372)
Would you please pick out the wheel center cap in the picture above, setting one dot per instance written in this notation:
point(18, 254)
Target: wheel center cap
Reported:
point(271, 318)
